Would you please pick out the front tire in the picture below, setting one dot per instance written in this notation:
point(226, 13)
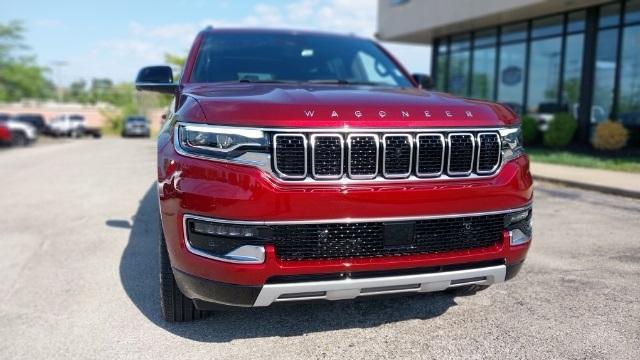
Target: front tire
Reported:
point(175, 306)
point(19, 139)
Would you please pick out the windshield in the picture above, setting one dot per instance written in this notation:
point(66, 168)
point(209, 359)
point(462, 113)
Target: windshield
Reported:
point(271, 57)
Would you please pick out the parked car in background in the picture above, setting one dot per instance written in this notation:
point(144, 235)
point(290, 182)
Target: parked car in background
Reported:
point(72, 125)
point(19, 133)
point(136, 126)
point(35, 120)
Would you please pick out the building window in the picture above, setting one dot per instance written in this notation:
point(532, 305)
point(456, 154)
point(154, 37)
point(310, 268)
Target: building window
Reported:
point(629, 92)
point(544, 65)
point(483, 74)
point(604, 76)
point(511, 76)
point(572, 78)
point(441, 65)
point(458, 77)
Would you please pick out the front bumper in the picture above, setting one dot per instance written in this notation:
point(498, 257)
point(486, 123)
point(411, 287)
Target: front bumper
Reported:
point(209, 294)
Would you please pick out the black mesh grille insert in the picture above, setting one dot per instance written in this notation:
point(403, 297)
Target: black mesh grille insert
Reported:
point(489, 152)
point(363, 155)
point(397, 155)
point(430, 154)
point(290, 155)
point(339, 241)
point(460, 153)
point(327, 155)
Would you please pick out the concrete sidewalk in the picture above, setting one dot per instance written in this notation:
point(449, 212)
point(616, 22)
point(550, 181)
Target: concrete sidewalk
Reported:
point(611, 182)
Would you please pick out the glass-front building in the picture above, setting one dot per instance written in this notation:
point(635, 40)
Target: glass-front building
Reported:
point(585, 61)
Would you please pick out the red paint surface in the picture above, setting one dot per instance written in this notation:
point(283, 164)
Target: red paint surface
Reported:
point(227, 191)
point(5, 134)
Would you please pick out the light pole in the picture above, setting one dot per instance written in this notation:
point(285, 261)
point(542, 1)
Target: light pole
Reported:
point(57, 65)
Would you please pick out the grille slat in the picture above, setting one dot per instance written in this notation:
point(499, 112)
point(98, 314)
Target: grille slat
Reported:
point(461, 149)
point(290, 155)
point(353, 240)
point(365, 157)
point(488, 153)
point(430, 158)
point(328, 155)
point(398, 152)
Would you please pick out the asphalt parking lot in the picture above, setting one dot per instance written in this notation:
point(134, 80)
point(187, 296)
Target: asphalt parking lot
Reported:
point(80, 279)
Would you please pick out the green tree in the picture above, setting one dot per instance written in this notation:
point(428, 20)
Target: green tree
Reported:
point(20, 76)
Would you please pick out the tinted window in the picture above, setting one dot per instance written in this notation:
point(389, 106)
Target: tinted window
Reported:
point(511, 76)
point(260, 57)
point(76, 117)
point(4, 117)
point(629, 96)
point(544, 65)
point(573, 72)
point(609, 15)
point(604, 78)
point(576, 21)
point(632, 12)
point(547, 27)
point(514, 32)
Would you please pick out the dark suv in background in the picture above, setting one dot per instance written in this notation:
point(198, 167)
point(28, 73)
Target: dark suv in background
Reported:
point(136, 126)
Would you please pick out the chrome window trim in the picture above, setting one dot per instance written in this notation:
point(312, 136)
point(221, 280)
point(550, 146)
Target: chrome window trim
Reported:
point(275, 157)
point(527, 206)
point(444, 144)
point(313, 155)
point(384, 157)
point(473, 151)
point(497, 165)
point(376, 139)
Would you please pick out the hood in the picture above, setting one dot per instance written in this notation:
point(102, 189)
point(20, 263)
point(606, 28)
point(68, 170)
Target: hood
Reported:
point(295, 105)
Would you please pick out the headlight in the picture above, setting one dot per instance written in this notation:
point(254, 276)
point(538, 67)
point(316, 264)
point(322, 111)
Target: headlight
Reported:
point(512, 145)
point(219, 142)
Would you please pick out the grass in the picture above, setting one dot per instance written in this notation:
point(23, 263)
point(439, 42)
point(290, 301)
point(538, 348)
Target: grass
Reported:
point(627, 162)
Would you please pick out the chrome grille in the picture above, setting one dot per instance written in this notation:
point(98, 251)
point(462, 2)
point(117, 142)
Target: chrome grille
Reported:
point(398, 151)
point(327, 156)
point(430, 154)
point(363, 156)
point(290, 155)
point(368, 156)
point(488, 152)
point(461, 149)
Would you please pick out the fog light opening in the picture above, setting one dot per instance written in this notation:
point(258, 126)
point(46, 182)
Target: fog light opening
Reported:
point(518, 237)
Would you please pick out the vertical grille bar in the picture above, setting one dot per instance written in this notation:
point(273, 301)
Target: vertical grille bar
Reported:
point(397, 155)
point(327, 156)
point(461, 150)
point(488, 153)
point(290, 156)
point(363, 150)
point(430, 155)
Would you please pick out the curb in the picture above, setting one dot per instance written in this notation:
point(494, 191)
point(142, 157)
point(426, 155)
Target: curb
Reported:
point(592, 187)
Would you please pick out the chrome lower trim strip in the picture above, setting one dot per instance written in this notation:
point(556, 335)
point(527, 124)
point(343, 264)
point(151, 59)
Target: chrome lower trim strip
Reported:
point(355, 220)
point(351, 288)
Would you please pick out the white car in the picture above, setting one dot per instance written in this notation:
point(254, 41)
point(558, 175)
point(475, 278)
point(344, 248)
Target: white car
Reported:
point(67, 125)
point(22, 134)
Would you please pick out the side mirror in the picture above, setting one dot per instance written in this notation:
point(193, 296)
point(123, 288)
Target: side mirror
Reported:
point(156, 78)
point(424, 81)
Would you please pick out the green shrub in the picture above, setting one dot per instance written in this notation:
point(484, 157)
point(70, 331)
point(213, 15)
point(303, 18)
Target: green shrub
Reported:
point(561, 130)
point(529, 130)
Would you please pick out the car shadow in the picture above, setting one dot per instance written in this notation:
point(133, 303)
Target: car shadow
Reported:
point(139, 267)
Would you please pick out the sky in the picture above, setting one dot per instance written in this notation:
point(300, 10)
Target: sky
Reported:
point(115, 38)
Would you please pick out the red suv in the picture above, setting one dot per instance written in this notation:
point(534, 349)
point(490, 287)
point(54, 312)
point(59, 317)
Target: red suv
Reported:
point(301, 166)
